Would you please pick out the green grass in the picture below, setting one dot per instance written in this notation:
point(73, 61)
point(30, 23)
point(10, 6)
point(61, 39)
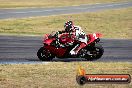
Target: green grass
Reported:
point(59, 74)
point(112, 24)
point(48, 3)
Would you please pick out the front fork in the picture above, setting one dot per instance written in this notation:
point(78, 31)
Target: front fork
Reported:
point(86, 50)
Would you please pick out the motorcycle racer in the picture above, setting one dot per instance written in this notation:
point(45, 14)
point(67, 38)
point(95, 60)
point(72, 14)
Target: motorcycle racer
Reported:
point(71, 43)
point(78, 34)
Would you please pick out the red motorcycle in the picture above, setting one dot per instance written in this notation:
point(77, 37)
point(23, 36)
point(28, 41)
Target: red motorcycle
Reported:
point(50, 49)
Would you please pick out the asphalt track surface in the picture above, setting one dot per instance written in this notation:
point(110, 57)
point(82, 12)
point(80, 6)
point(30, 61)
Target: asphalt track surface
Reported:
point(32, 12)
point(16, 49)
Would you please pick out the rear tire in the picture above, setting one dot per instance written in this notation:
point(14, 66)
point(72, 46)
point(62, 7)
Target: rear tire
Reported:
point(95, 53)
point(44, 55)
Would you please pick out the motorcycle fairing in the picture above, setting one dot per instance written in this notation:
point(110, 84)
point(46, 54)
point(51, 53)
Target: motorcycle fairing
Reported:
point(48, 41)
point(65, 39)
point(59, 52)
point(93, 37)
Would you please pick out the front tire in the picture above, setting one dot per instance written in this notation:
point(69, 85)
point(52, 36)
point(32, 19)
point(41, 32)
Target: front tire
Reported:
point(44, 55)
point(95, 53)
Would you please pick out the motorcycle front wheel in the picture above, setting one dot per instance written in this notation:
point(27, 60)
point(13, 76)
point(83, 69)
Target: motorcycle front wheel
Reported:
point(95, 53)
point(44, 55)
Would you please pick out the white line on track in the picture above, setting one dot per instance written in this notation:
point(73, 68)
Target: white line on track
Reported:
point(74, 7)
point(24, 62)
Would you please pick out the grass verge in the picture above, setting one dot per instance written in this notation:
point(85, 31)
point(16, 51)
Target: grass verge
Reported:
point(59, 74)
point(112, 23)
point(48, 3)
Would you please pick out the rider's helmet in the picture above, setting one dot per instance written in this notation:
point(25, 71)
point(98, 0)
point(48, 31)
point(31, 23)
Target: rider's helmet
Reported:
point(69, 26)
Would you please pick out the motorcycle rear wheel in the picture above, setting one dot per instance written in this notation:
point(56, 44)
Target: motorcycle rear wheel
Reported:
point(44, 55)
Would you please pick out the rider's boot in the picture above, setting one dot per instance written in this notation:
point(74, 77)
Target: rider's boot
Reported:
point(75, 50)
